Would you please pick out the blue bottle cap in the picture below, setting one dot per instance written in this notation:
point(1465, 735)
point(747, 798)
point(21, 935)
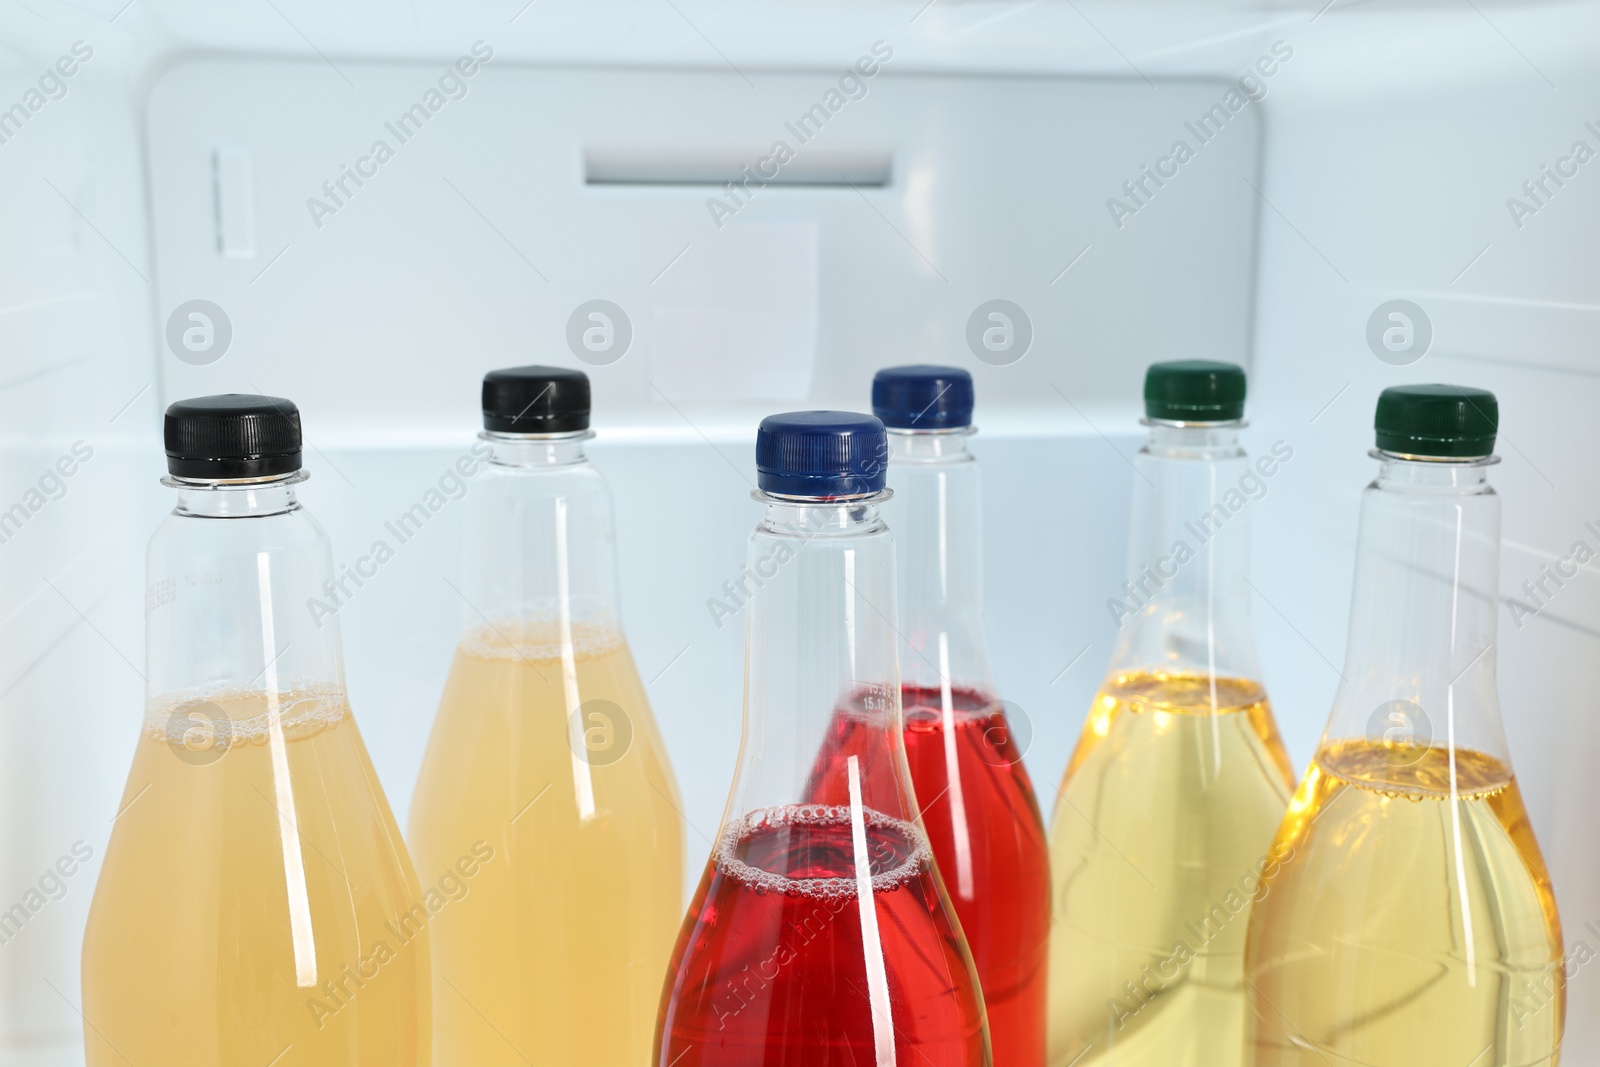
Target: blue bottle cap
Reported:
point(821, 454)
point(923, 397)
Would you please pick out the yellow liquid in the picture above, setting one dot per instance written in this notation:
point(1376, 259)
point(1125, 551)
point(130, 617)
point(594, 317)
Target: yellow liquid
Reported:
point(256, 898)
point(1361, 951)
point(559, 951)
point(1158, 840)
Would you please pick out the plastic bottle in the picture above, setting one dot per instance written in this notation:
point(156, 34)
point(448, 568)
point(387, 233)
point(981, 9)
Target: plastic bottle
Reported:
point(976, 798)
point(1408, 918)
point(1170, 801)
point(256, 899)
point(820, 933)
point(546, 788)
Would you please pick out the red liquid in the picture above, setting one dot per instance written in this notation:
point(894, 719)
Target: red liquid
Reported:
point(770, 969)
point(990, 848)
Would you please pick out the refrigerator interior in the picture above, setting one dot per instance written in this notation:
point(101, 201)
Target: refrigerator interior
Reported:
point(1337, 157)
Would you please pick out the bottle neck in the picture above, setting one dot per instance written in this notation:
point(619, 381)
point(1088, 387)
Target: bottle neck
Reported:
point(536, 451)
point(237, 596)
point(1184, 606)
point(540, 564)
point(1420, 659)
point(936, 516)
point(257, 498)
point(820, 658)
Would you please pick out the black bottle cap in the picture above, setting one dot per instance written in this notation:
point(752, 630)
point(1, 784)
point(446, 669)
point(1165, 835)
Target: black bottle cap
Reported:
point(1437, 421)
point(535, 400)
point(235, 435)
point(1194, 390)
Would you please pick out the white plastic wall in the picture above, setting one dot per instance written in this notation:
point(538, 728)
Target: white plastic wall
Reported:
point(1376, 167)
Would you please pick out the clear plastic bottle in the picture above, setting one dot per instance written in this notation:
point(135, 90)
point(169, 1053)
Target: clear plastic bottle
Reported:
point(1179, 779)
point(545, 763)
point(977, 801)
point(256, 895)
point(820, 934)
point(1409, 918)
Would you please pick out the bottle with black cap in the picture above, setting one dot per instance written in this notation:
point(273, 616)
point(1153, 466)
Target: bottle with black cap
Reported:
point(820, 932)
point(254, 861)
point(545, 773)
point(1179, 778)
point(978, 803)
point(1412, 920)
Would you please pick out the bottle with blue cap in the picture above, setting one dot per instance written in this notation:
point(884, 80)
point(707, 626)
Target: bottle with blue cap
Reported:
point(1412, 920)
point(1169, 804)
point(978, 803)
point(255, 901)
point(545, 791)
point(820, 933)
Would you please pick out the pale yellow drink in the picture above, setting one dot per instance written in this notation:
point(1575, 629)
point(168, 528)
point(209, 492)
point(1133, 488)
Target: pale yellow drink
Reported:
point(1414, 922)
point(547, 750)
point(256, 904)
point(1158, 842)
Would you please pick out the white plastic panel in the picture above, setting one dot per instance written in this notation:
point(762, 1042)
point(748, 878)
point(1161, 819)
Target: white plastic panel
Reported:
point(473, 245)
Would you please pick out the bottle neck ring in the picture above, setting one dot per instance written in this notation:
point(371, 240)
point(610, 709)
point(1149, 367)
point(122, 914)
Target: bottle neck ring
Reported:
point(1398, 470)
point(535, 451)
point(1199, 441)
point(235, 498)
point(929, 446)
point(820, 516)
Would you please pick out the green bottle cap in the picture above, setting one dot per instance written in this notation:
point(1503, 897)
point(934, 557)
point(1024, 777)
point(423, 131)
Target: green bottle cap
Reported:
point(1194, 390)
point(1437, 421)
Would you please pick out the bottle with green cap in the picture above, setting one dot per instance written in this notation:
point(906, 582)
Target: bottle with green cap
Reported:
point(1411, 919)
point(1169, 804)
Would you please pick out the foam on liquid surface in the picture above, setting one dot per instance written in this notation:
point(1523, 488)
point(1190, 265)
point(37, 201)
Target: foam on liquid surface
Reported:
point(539, 641)
point(228, 718)
point(766, 820)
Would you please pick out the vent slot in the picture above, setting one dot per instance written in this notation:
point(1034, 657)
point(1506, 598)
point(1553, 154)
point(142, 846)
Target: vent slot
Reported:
point(826, 166)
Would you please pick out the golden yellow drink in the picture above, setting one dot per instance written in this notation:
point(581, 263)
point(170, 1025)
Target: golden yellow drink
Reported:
point(256, 904)
point(1158, 842)
point(1413, 923)
point(546, 748)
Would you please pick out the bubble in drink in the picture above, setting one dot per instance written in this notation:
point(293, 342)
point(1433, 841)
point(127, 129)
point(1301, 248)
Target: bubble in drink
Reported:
point(984, 828)
point(1416, 979)
point(778, 934)
point(1158, 843)
point(549, 959)
point(297, 958)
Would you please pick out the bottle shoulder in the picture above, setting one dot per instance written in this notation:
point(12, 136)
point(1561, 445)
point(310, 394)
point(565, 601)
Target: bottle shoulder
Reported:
point(542, 477)
point(580, 483)
point(292, 528)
